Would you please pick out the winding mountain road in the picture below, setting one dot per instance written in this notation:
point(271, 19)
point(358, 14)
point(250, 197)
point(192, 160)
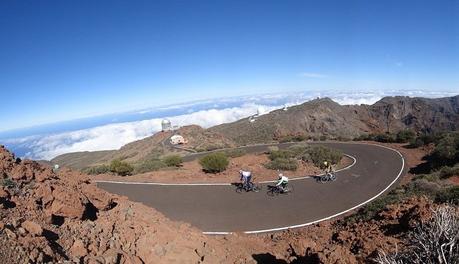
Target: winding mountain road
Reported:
point(218, 209)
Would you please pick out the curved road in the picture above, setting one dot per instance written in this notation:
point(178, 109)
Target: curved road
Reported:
point(219, 209)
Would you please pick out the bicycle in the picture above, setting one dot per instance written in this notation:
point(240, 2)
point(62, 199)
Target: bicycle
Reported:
point(275, 190)
point(328, 177)
point(250, 187)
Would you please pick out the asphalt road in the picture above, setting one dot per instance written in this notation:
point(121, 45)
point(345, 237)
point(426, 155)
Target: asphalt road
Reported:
point(220, 209)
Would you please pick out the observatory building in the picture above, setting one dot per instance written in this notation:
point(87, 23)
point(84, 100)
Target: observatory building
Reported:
point(166, 125)
point(178, 140)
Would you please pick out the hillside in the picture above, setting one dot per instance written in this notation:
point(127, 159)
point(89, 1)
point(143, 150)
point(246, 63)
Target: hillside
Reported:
point(154, 146)
point(325, 117)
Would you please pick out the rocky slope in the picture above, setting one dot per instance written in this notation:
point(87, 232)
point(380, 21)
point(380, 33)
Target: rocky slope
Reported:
point(326, 117)
point(51, 217)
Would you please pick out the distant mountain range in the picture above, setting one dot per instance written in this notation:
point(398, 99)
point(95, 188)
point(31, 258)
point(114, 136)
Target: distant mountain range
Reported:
point(316, 118)
point(326, 117)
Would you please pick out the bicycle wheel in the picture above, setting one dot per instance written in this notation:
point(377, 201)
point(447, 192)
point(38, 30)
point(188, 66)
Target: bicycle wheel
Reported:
point(256, 188)
point(323, 179)
point(240, 188)
point(272, 191)
point(288, 190)
point(332, 176)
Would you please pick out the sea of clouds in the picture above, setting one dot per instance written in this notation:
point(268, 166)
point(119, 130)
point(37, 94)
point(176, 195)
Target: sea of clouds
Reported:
point(113, 136)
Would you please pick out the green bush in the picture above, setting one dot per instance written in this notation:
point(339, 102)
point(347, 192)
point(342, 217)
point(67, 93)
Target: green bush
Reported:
point(121, 168)
point(385, 138)
point(149, 165)
point(448, 195)
point(422, 140)
point(214, 163)
point(319, 154)
point(446, 151)
point(293, 138)
point(405, 136)
point(422, 187)
point(298, 150)
point(448, 172)
point(363, 137)
point(281, 154)
point(431, 177)
point(173, 161)
point(272, 148)
point(96, 170)
point(283, 164)
point(7, 182)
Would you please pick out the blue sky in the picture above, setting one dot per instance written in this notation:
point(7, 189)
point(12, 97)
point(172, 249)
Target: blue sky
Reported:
point(61, 60)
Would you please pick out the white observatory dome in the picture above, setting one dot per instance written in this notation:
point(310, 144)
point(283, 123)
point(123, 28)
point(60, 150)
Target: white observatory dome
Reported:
point(166, 125)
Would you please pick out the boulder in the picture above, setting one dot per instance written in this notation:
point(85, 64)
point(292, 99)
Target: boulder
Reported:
point(78, 249)
point(68, 203)
point(32, 227)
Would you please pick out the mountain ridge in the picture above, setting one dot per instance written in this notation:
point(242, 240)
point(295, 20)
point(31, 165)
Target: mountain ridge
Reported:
point(313, 119)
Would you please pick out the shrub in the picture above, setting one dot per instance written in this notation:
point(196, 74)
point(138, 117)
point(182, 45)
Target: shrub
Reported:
point(446, 150)
point(293, 138)
point(281, 154)
point(173, 161)
point(405, 136)
point(363, 137)
point(431, 177)
point(319, 154)
point(298, 150)
point(214, 163)
point(385, 138)
point(283, 164)
point(149, 165)
point(422, 141)
point(272, 148)
point(8, 183)
point(121, 168)
point(448, 195)
point(97, 170)
point(447, 172)
point(422, 187)
point(435, 241)
point(234, 153)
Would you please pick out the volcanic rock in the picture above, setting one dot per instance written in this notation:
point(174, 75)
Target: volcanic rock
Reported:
point(32, 227)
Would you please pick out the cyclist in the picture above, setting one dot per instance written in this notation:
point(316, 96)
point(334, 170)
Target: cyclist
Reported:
point(282, 182)
point(246, 178)
point(328, 167)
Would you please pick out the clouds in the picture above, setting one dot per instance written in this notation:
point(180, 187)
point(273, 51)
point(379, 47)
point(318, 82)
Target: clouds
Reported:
point(113, 136)
point(313, 75)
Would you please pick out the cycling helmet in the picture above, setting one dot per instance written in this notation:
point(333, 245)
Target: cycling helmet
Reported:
point(325, 163)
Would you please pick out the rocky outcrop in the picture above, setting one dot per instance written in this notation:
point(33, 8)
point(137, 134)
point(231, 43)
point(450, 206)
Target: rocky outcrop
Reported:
point(53, 217)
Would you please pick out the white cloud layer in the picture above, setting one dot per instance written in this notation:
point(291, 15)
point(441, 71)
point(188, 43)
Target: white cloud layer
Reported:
point(113, 136)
